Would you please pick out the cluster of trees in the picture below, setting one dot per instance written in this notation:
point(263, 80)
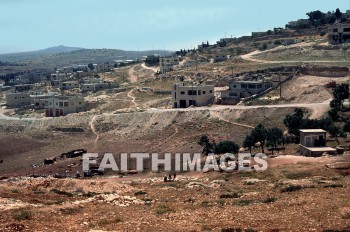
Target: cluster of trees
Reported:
point(152, 60)
point(270, 137)
point(318, 18)
point(184, 52)
point(220, 148)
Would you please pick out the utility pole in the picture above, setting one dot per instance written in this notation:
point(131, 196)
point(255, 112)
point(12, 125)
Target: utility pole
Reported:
point(279, 75)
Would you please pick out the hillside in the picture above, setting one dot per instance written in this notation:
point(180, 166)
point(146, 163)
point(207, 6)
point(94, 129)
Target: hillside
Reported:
point(63, 56)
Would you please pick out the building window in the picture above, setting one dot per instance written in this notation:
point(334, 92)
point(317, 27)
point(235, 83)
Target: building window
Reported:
point(192, 92)
point(66, 104)
point(199, 92)
point(79, 103)
point(211, 91)
point(204, 92)
point(346, 29)
point(244, 86)
point(335, 30)
point(259, 86)
point(61, 103)
point(182, 92)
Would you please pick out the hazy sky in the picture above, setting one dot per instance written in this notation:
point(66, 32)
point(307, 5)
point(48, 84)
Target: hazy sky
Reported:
point(142, 24)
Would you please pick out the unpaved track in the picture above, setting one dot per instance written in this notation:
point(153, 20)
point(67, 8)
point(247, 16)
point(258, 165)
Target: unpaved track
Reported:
point(216, 114)
point(149, 68)
point(133, 78)
point(250, 56)
point(94, 130)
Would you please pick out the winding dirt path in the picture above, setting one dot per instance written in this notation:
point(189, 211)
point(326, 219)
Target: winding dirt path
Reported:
point(133, 78)
point(94, 130)
point(216, 114)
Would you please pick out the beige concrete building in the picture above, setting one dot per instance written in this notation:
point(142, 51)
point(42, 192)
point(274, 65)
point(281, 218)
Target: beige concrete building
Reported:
point(67, 85)
point(243, 89)
point(184, 96)
point(220, 58)
point(105, 67)
point(20, 88)
point(166, 63)
point(313, 142)
point(339, 33)
point(57, 106)
point(16, 100)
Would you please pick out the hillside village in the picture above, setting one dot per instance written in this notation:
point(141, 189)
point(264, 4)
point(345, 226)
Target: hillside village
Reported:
point(284, 93)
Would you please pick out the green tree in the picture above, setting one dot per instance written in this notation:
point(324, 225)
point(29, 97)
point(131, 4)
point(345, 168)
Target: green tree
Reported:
point(249, 142)
point(336, 104)
point(346, 127)
point(91, 66)
point(341, 92)
point(206, 144)
point(274, 137)
point(226, 147)
point(259, 133)
point(338, 13)
point(294, 122)
point(336, 132)
point(334, 114)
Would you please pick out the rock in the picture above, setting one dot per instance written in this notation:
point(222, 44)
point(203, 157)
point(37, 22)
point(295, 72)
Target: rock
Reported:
point(221, 182)
point(196, 185)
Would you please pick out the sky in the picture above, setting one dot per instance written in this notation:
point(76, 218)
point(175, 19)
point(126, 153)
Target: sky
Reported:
point(28, 25)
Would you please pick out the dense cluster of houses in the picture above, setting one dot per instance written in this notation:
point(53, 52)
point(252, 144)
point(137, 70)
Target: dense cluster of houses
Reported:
point(80, 78)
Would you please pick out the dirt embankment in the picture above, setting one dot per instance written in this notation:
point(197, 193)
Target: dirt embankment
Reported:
point(334, 71)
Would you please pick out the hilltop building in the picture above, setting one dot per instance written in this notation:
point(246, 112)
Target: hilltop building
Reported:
point(339, 33)
point(166, 63)
point(243, 89)
point(219, 58)
point(184, 96)
point(57, 106)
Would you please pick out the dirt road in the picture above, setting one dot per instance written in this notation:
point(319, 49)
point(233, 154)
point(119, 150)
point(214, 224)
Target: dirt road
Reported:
point(150, 68)
point(250, 56)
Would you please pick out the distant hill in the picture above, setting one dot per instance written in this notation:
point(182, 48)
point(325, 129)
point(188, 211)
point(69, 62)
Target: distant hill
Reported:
point(63, 56)
point(21, 56)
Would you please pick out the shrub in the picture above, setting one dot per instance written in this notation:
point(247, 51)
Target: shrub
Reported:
point(269, 200)
point(62, 192)
point(243, 202)
point(140, 193)
point(230, 195)
point(22, 215)
point(334, 186)
point(291, 188)
point(163, 209)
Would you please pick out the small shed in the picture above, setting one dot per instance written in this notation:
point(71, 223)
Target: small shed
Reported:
point(313, 142)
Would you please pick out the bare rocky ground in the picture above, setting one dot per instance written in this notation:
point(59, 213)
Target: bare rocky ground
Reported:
point(318, 200)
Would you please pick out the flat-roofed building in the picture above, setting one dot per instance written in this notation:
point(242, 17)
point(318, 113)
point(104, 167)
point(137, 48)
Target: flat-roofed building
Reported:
point(339, 33)
point(21, 88)
point(16, 100)
point(184, 96)
point(166, 63)
point(313, 142)
point(57, 106)
point(243, 89)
